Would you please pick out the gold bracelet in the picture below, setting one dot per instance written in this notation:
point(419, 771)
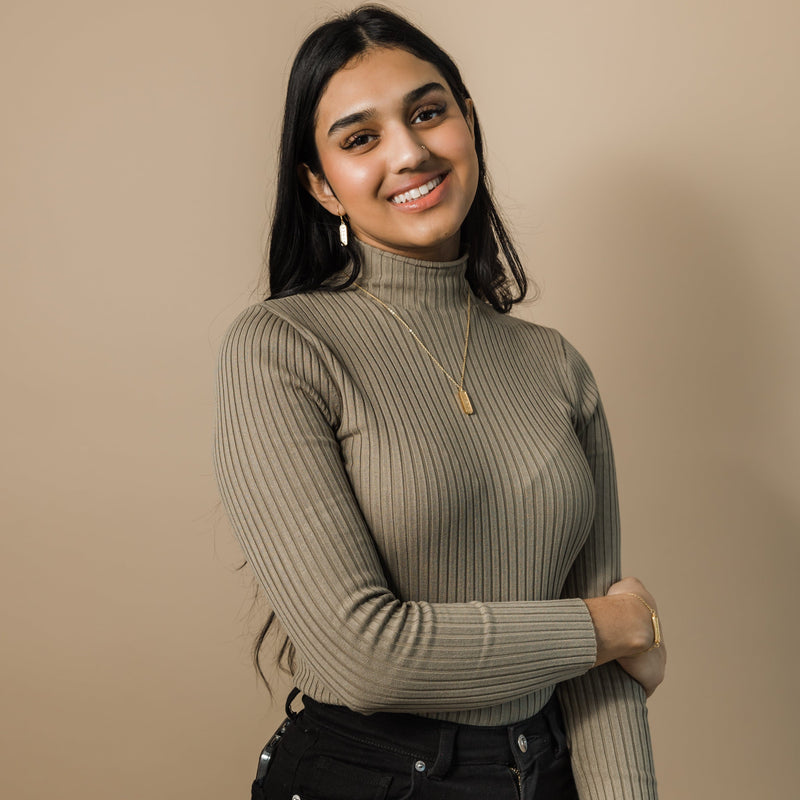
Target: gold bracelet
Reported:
point(654, 620)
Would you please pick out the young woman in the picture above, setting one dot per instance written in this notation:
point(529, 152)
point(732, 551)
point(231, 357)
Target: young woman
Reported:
point(424, 484)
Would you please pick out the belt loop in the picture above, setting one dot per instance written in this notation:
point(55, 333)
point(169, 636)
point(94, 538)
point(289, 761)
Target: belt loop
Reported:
point(555, 722)
point(444, 758)
point(288, 707)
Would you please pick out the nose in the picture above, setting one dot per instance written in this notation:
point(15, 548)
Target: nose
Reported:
point(406, 151)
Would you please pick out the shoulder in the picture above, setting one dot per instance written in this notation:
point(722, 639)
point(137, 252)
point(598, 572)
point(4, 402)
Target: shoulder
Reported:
point(269, 313)
point(285, 329)
point(268, 342)
point(279, 321)
point(252, 330)
point(578, 381)
point(267, 351)
point(559, 356)
point(546, 344)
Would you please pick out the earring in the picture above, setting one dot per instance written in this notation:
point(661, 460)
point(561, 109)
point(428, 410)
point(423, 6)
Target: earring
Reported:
point(342, 231)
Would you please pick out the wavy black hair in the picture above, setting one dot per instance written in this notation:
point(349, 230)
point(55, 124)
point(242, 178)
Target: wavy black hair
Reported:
point(304, 249)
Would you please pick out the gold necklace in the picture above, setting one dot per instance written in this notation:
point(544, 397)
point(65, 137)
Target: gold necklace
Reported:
point(461, 392)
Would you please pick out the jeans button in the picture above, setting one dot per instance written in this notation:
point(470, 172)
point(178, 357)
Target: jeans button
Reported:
point(522, 743)
point(420, 766)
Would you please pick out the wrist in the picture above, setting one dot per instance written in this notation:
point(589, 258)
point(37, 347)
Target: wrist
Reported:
point(622, 626)
point(655, 641)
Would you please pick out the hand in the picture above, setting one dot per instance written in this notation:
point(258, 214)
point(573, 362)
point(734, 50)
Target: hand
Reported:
point(647, 668)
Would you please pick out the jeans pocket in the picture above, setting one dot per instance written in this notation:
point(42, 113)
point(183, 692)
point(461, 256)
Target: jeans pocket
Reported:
point(354, 781)
point(280, 779)
point(321, 777)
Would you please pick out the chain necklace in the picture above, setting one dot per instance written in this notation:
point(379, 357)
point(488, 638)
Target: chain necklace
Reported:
point(461, 392)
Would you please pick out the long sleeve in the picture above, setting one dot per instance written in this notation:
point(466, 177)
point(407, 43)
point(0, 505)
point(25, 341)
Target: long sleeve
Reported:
point(604, 708)
point(287, 491)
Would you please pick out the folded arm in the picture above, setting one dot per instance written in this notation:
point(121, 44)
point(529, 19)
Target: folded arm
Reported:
point(604, 709)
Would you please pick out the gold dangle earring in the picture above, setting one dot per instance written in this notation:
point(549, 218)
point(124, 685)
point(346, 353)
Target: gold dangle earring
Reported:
point(342, 231)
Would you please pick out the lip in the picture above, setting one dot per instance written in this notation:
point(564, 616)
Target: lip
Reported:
point(427, 200)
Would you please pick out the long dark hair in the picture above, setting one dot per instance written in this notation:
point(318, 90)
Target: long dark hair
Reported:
point(304, 248)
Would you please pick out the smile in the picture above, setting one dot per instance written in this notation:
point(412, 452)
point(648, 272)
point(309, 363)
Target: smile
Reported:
point(417, 191)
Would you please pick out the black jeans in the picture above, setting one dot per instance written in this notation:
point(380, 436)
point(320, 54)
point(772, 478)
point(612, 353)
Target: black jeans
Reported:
point(332, 753)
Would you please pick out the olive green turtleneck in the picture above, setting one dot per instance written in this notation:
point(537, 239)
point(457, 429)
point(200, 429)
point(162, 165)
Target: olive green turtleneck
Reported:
point(422, 560)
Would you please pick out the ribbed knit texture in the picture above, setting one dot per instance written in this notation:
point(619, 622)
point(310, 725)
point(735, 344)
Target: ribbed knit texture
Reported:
point(422, 560)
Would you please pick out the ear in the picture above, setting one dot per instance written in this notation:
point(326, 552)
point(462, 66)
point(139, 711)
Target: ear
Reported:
point(317, 186)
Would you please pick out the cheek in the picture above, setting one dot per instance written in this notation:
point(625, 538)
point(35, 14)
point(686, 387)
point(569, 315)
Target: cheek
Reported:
point(473, 170)
point(470, 156)
point(350, 181)
point(458, 147)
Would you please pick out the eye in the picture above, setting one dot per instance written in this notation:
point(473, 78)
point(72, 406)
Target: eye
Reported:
point(429, 113)
point(357, 140)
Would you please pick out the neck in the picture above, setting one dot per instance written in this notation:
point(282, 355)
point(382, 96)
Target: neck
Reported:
point(408, 282)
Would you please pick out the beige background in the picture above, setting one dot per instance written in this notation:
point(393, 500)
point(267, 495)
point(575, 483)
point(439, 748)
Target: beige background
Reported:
point(648, 157)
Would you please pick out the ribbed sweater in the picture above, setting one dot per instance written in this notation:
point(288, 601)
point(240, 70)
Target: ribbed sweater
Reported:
point(422, 560)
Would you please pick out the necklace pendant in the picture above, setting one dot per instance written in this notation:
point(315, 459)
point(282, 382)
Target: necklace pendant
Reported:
point(464, 401)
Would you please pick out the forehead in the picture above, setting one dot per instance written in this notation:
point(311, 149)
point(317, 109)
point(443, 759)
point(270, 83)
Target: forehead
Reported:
point(379, 78)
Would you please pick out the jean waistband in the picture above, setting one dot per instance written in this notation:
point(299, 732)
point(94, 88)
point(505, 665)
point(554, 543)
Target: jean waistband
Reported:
point(441, 741)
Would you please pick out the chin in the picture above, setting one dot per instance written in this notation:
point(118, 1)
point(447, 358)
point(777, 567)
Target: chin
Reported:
point(430, 239)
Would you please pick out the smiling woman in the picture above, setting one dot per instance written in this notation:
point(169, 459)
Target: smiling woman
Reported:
point(423, 484)
point(400, 163)
point(304, 248)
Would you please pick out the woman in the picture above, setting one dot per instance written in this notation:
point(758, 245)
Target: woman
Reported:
point(424, 484)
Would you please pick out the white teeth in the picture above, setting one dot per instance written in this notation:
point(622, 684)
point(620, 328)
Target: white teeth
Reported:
point(417, 192)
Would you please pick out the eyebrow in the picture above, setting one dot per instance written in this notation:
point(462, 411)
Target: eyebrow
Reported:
point(365, 114)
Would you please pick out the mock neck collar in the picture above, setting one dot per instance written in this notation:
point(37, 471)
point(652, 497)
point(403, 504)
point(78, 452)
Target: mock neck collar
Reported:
point(409, 282)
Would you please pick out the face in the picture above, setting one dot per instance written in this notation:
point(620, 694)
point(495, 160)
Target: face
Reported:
point(398, 156)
